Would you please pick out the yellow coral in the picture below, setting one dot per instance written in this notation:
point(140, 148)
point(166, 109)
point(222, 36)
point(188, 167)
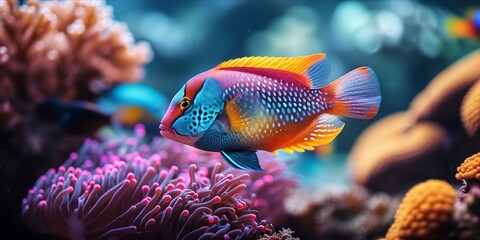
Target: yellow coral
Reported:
point(425, 212)
point(470, 168)
point(470, 111)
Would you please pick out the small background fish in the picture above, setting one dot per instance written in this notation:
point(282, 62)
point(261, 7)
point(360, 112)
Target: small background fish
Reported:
point(77, 117)
point(468, 27)
point(268, 103)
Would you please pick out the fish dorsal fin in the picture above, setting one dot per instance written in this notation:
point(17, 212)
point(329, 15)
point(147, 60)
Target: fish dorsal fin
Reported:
point(312, 71)
point(245, 160)
point(322, 132)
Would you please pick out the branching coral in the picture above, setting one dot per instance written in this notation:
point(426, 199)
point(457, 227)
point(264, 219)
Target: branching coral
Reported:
point(284, 234)
point(426, 212)
point(343, 214)
point(125, 188)
point(66, 49)
point(470, 111)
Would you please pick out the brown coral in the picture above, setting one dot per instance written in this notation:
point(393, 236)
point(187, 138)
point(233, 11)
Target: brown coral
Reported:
point(441, 98)
point(394, 149)
point(470, 111)
point(68, 49)
point(426, 212)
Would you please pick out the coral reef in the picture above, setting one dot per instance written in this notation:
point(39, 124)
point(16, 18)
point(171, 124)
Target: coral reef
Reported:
point(69, 50)
point(426, 212)
point(130, 188)
point(352, 213)
point(423, 142)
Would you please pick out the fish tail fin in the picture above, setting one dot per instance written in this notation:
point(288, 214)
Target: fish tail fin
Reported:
point(355, 94)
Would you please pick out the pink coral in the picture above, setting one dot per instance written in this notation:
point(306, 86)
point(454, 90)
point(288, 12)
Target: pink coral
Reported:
point(126, 188)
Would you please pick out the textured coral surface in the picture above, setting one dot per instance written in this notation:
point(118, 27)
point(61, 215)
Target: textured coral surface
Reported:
point(470, 111)
point(426, 212)
point(470, 168)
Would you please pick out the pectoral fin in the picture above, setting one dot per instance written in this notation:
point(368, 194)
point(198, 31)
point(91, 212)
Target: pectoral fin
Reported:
point(245, 160)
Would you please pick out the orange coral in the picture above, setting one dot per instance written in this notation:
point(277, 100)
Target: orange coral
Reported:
point(470, 111)
point(470, 168)
point(394, 149)
point(426, 212)
point(360, 162)
point(441, 98)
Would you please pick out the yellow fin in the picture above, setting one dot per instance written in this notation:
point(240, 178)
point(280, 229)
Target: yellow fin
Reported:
point(295, 65)
point(326, 128)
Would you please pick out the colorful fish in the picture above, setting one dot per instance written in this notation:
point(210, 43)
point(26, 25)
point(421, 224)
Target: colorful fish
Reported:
point(468, 27)
point(268, 103)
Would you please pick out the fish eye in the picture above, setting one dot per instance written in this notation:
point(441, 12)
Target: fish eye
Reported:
point(185, 103)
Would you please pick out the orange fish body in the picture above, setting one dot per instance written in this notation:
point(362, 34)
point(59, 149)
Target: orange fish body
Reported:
point(266, 103)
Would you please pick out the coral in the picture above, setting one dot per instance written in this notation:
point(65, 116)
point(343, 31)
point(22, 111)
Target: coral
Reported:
point(284, 234)
point(269, 188)
point(470, 168)
point(467, 215)
point(470, 111)
point(426, 212)
point(128, 188)
point(394, 148)
point(469, 173)
point(352, 213)
point(441, 99)
point(66, 49)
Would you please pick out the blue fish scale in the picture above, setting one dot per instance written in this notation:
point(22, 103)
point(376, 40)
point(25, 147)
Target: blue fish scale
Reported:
point(271, 104)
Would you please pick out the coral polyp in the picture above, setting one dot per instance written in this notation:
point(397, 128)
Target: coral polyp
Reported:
point(126, 188)
point(470, 168)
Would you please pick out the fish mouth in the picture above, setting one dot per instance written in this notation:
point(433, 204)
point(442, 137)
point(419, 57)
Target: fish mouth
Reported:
point(164, 129)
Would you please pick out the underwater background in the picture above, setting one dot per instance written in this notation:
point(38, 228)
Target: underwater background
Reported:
point(84, 85)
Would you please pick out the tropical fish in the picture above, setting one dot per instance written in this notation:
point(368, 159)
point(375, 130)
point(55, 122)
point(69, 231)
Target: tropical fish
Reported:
point(135, 97)
point(81, 117)
point(77, 117)
point(468, 27)
point(268, 103)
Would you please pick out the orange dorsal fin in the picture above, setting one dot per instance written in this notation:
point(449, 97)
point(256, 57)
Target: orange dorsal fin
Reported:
point(306, 70)
point(322, 132)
